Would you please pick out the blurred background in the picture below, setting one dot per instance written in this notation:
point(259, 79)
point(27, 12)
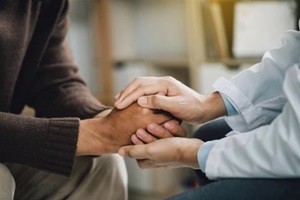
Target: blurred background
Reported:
point(195, 41)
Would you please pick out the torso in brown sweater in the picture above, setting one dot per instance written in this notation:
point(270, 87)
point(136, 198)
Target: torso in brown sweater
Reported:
point(36, 69)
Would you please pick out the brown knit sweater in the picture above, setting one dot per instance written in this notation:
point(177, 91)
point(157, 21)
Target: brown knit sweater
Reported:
point(36, 69)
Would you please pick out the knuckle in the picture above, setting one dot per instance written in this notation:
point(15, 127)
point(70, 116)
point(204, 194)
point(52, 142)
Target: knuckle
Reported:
point(169, 79)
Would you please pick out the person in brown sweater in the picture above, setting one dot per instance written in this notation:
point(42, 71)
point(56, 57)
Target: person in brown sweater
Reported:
point(47, 154)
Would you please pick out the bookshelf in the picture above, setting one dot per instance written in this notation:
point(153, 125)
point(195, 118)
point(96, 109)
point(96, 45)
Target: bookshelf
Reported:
point(135, 31)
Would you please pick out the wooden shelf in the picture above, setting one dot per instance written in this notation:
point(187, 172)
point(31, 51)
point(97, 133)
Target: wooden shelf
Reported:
point(159, 62)
point(234, 62)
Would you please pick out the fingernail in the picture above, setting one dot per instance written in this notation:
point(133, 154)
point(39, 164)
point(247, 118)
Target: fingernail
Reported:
point(117, 96)
point(142, 101)
point(168, 125)
point(118, 102)
point(122, 152)
point(141, 134)
point(151, 127)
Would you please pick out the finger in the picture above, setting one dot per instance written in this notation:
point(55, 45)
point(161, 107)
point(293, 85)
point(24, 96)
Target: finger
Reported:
point(128, 96)
point(174, 128)
point(117, 96)
point(158, 131)
point(134, 151)
point(136, 140)
point(161, 102)
point(144, 136)
point(127, 90)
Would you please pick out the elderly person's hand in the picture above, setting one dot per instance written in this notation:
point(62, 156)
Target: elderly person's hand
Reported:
point(106, 135)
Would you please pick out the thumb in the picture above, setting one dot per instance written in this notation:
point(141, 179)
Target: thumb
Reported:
point(133, 151)
point(158, 102)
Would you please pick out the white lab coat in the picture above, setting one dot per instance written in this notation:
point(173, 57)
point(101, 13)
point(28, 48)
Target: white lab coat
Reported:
point(265, 142)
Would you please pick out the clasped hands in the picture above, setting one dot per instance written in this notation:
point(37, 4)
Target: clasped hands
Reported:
point(158, 138)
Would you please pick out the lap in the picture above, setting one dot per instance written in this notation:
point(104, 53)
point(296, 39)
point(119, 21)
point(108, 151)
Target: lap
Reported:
point(7, 183)
point(246, 189)
point(213, 130)
point(236, 189)
point(92, 177)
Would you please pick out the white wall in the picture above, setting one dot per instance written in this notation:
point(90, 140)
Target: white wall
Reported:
point(148, 28)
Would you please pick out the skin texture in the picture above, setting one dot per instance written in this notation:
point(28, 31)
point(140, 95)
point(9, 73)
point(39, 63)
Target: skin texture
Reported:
point(154, 132)
point(168, 152)
point(166, 93)
point(106, 135)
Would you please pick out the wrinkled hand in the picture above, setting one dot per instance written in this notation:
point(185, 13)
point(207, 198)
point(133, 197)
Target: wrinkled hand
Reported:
point(106, 135)
point(153, 132)
point(167, 93)
point(169, 152)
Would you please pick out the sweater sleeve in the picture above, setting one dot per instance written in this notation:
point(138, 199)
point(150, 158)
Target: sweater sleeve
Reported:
point(46, 144)
point(59, 94)
point(58, 90)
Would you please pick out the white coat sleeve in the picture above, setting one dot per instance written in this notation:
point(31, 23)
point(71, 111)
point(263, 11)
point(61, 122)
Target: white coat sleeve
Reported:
point(270, 151)
point(257, 92)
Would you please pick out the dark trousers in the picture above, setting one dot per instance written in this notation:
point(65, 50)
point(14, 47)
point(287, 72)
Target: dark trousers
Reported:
point(237, 189)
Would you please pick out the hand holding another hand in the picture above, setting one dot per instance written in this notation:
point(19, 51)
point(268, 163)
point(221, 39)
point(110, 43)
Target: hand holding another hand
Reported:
point(167, 93)
point(154, 132)
point(168, 152)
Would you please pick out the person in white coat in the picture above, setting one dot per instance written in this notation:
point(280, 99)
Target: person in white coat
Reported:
point(260, 157)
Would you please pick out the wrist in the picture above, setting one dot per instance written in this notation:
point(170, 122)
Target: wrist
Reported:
point(213, 106)
point(189, 153)
point(89, 140)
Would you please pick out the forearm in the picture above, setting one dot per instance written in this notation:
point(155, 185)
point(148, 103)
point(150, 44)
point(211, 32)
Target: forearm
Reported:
point(46, 144)
point(72, 101)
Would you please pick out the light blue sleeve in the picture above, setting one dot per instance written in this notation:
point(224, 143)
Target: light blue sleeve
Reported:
point(205, 148)
point(203, 153)
point(231, 110)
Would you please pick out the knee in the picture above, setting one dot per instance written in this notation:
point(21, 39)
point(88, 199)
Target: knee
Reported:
point(7, 182)
point(112, 171)
point(114, 167)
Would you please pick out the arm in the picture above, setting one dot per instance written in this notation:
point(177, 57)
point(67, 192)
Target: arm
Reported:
point(46, 144)
point(267, 152)
point(257, 92)
point(270, 151)
point(49, 144)
point(58, 90)
point(106, 135)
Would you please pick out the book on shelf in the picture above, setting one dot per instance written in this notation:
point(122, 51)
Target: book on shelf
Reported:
point(219, 33)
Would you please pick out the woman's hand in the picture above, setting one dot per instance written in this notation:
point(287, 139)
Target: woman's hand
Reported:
point(166, 93)
point(169, 152)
